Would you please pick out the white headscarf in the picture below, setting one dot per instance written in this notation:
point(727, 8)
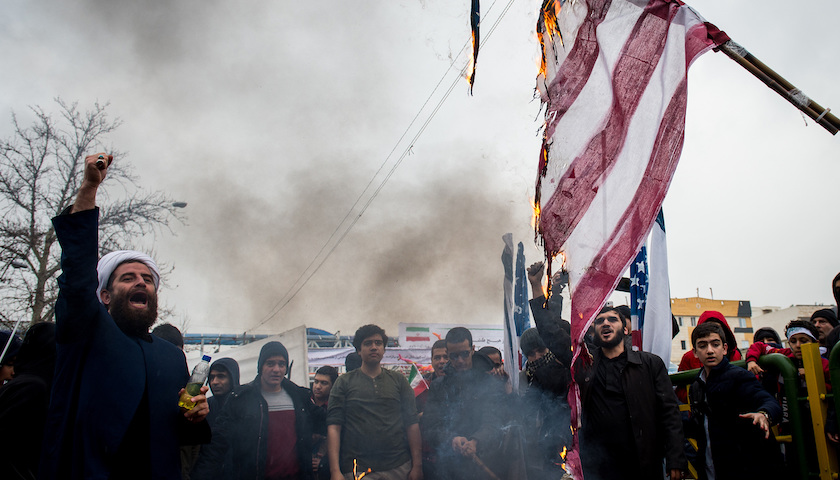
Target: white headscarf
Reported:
point(111, 261)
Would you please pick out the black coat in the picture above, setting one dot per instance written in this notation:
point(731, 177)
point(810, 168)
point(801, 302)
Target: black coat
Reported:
point(739, 449)
point(105, 378)
point(243, 428)
point(463, 404)
point(545, 403)
point(654, 411)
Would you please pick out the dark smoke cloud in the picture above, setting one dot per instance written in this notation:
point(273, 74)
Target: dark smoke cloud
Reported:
point(419, 254)
point(269, 119)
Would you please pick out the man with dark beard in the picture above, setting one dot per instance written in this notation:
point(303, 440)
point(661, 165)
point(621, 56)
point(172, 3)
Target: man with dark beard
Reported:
point(631, 420)
point(114, 405)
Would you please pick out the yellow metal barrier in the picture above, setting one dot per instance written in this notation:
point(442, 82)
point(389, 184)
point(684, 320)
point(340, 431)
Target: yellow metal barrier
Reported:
point(815, 383)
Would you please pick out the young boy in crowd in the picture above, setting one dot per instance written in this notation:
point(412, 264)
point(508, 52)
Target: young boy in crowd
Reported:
point(731, 414)
point(798, 333)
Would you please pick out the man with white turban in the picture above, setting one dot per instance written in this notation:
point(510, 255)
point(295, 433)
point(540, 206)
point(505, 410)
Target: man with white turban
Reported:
point(114, 406)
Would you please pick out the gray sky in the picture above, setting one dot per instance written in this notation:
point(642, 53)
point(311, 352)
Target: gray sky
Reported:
point(269, 118)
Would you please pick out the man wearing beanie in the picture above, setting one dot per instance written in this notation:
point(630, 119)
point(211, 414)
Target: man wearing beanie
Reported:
point(825, 320)
point(265, 428)
point(114, 404)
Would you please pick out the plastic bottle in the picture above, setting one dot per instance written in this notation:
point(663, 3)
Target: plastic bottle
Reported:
point(197, 379)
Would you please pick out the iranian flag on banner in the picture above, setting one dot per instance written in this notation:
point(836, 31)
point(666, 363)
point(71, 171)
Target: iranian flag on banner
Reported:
point(417, 382)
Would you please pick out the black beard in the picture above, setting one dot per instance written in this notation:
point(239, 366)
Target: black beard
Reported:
point(619, 337)
point(130, 320)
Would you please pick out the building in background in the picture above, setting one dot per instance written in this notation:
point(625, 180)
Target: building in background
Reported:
point(738, 314)
point(776, 317)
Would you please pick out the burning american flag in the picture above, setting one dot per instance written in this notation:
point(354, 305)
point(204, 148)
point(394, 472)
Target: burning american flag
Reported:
point(613, 80)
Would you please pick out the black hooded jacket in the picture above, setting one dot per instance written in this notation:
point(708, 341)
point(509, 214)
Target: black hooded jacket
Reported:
point(242, 428)
point(217, 402)
point(24, 402)
point(217, 405)
point(739, 449)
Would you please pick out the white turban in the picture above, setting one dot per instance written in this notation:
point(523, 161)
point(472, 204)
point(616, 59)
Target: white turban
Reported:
point(111, 261)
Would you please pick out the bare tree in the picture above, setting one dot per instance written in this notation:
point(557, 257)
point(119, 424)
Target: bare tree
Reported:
point(40, 172)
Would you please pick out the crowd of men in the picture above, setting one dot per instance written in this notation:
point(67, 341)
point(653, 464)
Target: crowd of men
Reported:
point(94, 395)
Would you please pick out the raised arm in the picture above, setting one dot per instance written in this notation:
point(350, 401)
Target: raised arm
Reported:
point(555, 331)
point(77, 308)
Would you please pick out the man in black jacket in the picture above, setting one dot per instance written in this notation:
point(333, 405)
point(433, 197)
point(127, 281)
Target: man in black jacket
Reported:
point(631, 420)
point(223, 379)
point(467, 418)
point(266, 423)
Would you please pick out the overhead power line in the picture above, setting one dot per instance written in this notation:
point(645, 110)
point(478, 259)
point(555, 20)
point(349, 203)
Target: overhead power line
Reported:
point(349, 221)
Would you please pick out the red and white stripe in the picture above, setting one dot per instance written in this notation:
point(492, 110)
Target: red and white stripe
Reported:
point(615, 117)
point(615, 94)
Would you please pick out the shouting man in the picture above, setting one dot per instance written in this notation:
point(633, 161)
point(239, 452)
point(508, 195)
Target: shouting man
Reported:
point(107, 361)
point(631, 420)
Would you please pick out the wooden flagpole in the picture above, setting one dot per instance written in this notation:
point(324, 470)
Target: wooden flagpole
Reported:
point(777, 83)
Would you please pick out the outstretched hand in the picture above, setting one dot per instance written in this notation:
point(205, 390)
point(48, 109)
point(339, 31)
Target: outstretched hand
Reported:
point(759, 419)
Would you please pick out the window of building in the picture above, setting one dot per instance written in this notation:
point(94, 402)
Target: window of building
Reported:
point(745, 344)
point(693, 321)
point(682, 344)
point(679, 320)
point(742, 322)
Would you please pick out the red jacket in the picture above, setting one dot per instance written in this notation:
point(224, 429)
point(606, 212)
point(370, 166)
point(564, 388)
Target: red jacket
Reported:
point(758, 349)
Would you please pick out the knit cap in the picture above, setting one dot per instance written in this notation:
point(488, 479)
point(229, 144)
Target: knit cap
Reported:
point(827, 314)
point(271, 349)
